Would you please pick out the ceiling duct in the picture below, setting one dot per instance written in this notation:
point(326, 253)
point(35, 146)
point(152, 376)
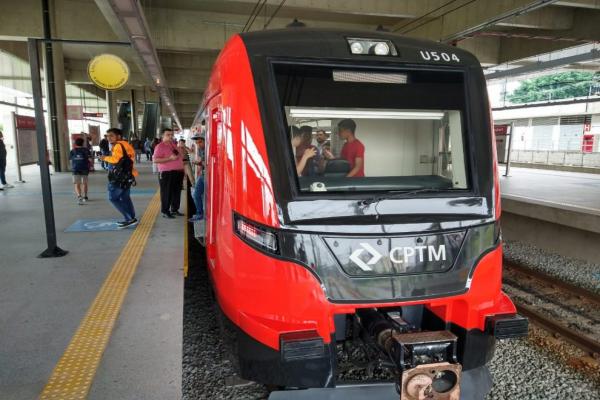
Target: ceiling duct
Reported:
point(126, 17)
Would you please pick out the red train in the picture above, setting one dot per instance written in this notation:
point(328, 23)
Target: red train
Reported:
point(352, 197)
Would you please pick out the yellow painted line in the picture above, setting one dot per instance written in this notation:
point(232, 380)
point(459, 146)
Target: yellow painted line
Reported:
point(185, 237)
point(75, 371)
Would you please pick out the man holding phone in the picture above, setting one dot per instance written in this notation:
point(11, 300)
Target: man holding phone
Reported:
point(170, 174)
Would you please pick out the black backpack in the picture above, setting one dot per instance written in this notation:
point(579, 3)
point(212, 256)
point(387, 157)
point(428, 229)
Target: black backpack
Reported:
point(121, 174)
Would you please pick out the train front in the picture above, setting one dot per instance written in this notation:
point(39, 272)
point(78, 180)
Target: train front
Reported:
point(385, 254)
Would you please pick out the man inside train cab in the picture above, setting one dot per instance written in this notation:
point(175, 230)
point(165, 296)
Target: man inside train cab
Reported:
point(306, 147)
point(321, 146)
point(353, 150)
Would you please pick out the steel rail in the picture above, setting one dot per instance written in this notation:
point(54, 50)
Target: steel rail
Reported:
point(556, 282)
point(583, 342)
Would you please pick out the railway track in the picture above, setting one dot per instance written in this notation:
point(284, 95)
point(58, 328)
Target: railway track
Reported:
point(566, 298)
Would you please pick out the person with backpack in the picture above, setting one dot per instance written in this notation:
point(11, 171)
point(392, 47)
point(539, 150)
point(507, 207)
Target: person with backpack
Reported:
point(121, 176)
point(80, 166)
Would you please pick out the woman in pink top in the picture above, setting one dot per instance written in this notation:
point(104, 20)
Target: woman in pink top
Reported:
point(169, 160)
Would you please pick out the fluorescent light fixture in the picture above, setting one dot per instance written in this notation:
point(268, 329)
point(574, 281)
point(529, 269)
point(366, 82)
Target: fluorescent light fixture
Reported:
point(368, 77)
point(363, 114)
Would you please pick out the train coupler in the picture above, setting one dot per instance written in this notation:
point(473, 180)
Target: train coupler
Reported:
point(428, 364)
point(440, 381)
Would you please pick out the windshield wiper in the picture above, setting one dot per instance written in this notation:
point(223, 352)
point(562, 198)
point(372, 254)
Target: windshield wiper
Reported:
point(397, 193)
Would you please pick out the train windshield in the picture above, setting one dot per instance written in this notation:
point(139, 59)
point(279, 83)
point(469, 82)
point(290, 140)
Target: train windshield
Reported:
point(368, 130)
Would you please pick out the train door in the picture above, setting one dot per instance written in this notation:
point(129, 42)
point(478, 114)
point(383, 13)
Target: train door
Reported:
point(213, 192)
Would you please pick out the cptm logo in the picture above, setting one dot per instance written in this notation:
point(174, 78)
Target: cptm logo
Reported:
point(398, 255)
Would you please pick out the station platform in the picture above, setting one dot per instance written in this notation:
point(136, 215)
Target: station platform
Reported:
point(567, 190)
point(103, 322)
point(554, 210)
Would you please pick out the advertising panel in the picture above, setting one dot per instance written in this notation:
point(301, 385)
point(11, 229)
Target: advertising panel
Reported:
point(26, 139)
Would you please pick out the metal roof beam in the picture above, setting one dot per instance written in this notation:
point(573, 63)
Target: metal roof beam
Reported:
point(593, 54)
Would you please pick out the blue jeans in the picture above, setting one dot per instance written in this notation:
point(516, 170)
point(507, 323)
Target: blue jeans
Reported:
point(2, 172)
point(120, 198)
point(104, 163)
point(197, 196)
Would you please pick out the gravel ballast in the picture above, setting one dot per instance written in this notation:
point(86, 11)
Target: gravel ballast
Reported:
point(577, 272)
point(523, 371)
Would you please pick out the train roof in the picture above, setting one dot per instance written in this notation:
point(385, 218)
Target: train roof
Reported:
point(333, 44)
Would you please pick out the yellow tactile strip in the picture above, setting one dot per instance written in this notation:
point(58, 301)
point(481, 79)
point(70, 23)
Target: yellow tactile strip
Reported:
point(186, 248)
point(75, 371)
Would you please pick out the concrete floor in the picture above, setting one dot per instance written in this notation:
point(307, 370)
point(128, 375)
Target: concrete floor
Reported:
point(569, 189)
point(43, 300)
point(556, 211)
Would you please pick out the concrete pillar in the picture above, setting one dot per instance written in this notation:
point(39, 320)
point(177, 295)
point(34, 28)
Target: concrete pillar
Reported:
point(61, 107)
point(111, 109)
point(134, 127)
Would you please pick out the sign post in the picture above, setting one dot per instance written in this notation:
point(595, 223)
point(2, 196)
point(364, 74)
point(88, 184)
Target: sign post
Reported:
point(34, 62)
point(510, 139)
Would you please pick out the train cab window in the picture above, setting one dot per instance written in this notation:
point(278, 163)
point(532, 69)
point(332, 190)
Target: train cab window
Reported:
point(374, 132)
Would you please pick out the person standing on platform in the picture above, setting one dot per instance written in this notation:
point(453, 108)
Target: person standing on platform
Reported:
point(148, 149)
point(104, 150)
point(137, 147)
point(121, 176)
point(198, 191)
point(187, 167)
point(155, 143)
point(80, 166)
point(3, 184)
point(169, 160)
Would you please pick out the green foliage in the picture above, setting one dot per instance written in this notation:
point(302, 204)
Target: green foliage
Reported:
point(563, 85)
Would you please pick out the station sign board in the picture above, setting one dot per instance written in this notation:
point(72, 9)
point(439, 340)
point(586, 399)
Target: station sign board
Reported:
point(26, 139)
point(108, 71)
point(93, 114)
point(24, 122)
point(501, 130)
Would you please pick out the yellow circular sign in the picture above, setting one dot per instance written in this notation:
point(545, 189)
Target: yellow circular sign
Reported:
point(108, 71)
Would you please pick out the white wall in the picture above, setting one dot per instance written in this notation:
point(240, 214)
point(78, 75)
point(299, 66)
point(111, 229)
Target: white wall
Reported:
point(390, 146)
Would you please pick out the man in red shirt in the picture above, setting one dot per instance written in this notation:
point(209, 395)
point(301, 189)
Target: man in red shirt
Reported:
point(353, 150)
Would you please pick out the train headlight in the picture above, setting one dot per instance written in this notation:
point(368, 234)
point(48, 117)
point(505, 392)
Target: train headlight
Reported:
point(255, 235)
point(378, 47)
point(356, 48)
point(382, 49)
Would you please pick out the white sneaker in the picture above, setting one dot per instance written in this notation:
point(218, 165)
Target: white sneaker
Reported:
point(8, 186)
point(80, 201)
